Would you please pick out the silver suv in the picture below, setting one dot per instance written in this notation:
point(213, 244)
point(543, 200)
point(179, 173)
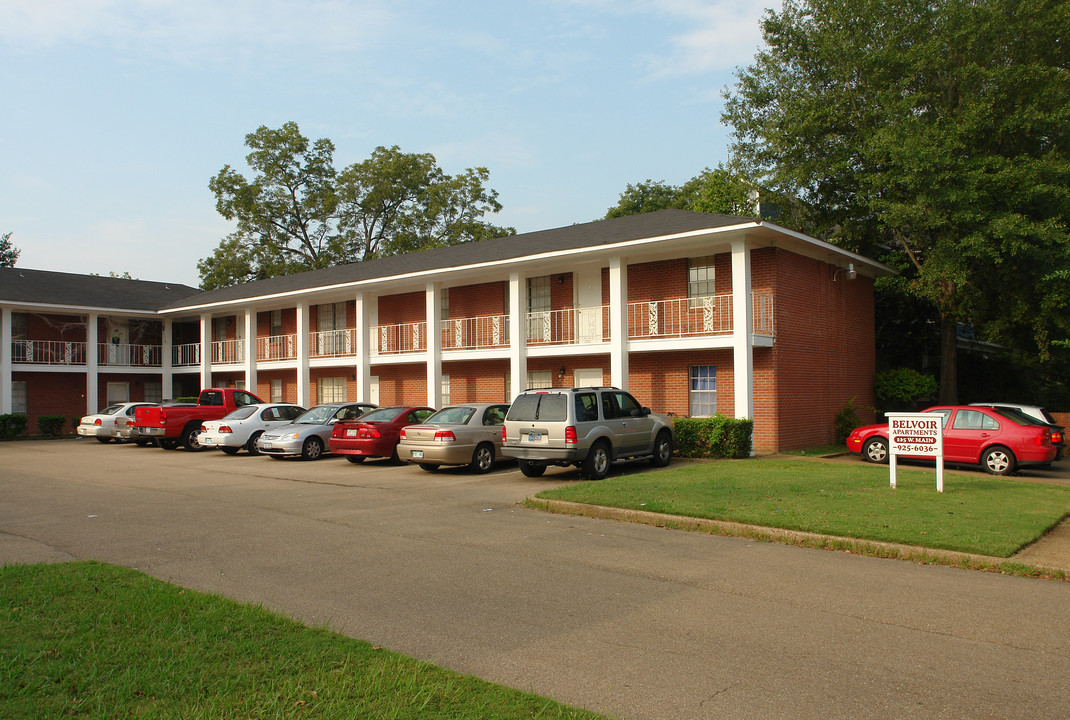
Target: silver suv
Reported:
point(587, 427)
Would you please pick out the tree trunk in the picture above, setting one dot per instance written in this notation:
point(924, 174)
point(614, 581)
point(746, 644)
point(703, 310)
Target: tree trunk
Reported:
point(949, 379)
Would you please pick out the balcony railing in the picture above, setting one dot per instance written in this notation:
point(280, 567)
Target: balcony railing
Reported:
point(569, 327)
point(228, 351)
point(398, 339)
point(122, 355)
point(762, 308)
point(474, 333)
point(48, 352)
point(682, 317)
point(330, 343)
point(187, 355)
point(276, 347)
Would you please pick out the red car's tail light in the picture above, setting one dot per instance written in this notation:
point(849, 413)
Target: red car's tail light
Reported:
point(163, 416)
point(1044, 438)
point(369, 432)
point(1056, 437)
point(445, 436)
point(403, 435)
point(570, 435)
point(338, 431)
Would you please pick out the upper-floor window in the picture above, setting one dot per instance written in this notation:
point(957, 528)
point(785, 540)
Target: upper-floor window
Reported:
point(539, 294)
point(700, 277)
point(276, 323)
point(20, 326)
point(444, 299)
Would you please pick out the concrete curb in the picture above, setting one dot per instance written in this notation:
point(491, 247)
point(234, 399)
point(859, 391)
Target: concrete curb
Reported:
point(873, 548)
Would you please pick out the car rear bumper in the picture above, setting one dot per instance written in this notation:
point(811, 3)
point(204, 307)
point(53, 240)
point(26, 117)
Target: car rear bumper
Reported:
point(149, 432)
point(212, 440)
point(554, 456)
point(94, 431)
point(437, 454)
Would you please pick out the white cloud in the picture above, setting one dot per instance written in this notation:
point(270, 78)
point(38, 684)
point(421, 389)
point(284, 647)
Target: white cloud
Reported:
point(190, 29)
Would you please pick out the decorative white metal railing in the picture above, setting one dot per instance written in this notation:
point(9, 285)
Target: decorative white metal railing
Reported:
point(276, 347)
point(228, 351)
point(682, 317)
point(121, 354)
point(330, 343)
point(48, 352)
point(188, 355)
point(762, 308)
point(569, 326)
point(398, 339)
point(473, 333)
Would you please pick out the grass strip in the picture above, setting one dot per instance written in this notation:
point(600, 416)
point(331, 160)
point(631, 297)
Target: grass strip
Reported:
point(87, 640)
point(983, 515)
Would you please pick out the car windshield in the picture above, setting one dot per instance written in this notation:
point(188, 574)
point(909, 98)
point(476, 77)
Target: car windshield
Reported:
point(452, 416)
point(110, 410)
point(318, 415)
point(241, 413)
point(380, 415)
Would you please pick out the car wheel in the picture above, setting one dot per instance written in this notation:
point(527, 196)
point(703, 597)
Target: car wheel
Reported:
point(169, 444)
point(189, 438)
point(355, 459)
point(143, 442)
point(532, 469)
point(312, 449)
point(103, 440)
point(229, 450)
point(429, 467)
point(662, 449)
point(251, 445)
point(999, 460)
point(276, 457)
point(394, 459)
point(482, 459)
point(596, 464)
point(875, 451)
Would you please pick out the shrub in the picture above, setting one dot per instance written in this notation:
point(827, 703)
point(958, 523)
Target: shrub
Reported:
point(901, 388)
point(845, 421)
point(12, 425)
point(50, 425)
point(717, 437)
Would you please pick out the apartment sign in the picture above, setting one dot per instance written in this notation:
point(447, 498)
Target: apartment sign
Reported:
point(916, 435)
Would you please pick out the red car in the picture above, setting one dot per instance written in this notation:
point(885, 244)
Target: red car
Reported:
point(997, 441)
point(376, 433)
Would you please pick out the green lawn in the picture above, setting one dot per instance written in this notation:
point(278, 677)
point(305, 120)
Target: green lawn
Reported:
point(975, 514)
point(86, 640)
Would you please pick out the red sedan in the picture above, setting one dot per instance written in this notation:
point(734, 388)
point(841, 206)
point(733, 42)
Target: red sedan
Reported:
point(999, 442)
point(376, 433)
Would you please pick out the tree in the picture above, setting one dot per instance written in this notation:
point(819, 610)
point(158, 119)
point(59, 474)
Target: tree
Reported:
point(712, 191)
point(931, 131)
point(9, 254)
point(298, 213)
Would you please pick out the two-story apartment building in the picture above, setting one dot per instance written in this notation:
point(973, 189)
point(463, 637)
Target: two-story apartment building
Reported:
point(694, 313)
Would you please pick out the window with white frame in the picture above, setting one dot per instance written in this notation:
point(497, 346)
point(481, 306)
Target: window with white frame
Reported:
point(18, 397)
point(153, 391)
point(703, 393)
point(444, 300)
point(540, 379)
point(276, 323)
point(445, 391)
point(700, 278)
point(276, 390)
point(331, 389)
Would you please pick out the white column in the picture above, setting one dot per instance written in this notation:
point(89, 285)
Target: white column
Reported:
point(618, 322)
point(250, 350)
point(742, 330)
point(433, 302)
point(92, 380)
point(518, 341)
point(361, 344)
point(304, 379)
point(167, 354)
point(206, 351)
point(5, 361)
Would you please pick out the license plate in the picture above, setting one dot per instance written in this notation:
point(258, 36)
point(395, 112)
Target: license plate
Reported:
point(351, 432)
point(208, 441)
point(263, 444)
point(534, 437)
point(417, 454)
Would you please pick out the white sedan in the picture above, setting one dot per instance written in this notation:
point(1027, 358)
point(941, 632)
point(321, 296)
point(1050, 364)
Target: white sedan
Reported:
point(101, 425)
point(243, 427)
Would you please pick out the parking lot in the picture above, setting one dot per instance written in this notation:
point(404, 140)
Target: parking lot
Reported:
point(635, 621)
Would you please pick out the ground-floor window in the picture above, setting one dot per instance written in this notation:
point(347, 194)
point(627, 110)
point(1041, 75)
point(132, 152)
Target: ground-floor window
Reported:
point(445, 387)
point(276, 390)
point(153, 391)
point(703, 395)
point(331, 389)
point(18, 397)
point(540, 379)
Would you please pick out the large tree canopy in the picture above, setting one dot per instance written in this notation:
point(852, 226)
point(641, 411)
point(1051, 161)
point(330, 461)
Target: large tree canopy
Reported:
point(298, 213)
point(9, 254)
point(712, 191)
point(933, 135)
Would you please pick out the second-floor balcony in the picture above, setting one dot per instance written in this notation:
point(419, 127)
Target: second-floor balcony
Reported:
point(68, 352)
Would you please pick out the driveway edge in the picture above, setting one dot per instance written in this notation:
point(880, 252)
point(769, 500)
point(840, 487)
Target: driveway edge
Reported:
point(871, 548)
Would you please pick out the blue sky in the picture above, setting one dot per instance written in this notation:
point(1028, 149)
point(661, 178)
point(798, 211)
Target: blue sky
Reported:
point(117, 112)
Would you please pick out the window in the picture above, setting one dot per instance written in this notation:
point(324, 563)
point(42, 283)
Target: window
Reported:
point(586, 407)
point(703, 394)
point(331, 389)
point(539, 323)
point(275, 393)
point(276, 322)
point(444, 313)
point(20, 323)
point(973, 420)
point(445, 391)
point(700, 278)
point(540, 379)
point(18, 397)
point(153, 391)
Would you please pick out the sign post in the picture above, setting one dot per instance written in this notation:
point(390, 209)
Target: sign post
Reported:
point(917, 435)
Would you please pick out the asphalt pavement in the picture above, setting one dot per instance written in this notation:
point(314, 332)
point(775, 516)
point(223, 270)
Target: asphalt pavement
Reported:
point(631, 620)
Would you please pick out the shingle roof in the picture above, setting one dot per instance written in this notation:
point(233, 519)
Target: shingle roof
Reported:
point(43, 287)
point(592, 234)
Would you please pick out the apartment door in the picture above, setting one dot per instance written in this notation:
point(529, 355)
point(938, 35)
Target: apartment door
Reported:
point(118, 392)
point(587, 377)
point(588, 284)
point(330, 322)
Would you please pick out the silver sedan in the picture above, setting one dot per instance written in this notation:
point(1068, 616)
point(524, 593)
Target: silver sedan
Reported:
point(306, 437)
point(468, 434)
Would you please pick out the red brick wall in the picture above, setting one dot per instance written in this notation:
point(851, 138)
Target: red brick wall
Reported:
point(477, 301)
point(662, 380)
point(657, 280)
point(289, 384)
point(54, 394)
point(404, 308)
point(289, 322)
point(68, 328)
point(477, 381)
point(401, 384)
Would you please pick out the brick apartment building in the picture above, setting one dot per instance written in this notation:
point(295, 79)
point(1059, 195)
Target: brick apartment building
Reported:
point(694, 313)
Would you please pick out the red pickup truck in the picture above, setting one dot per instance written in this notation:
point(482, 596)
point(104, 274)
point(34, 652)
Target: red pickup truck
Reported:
point(173, 425)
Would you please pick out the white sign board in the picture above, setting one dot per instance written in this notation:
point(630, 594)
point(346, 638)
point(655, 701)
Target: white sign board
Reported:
point(916, 435)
